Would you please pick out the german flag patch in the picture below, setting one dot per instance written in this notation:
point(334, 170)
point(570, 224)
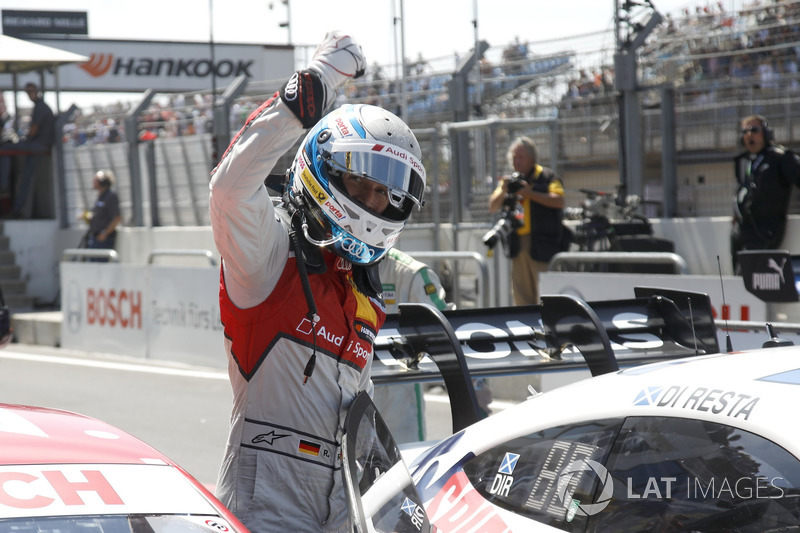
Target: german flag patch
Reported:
point(309, 448)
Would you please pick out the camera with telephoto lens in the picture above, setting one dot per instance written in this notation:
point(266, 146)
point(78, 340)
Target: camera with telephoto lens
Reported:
point(511, 216)
point(597, 204)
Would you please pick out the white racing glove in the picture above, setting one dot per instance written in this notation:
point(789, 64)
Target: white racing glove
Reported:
point(337, 60)
point(311, 91)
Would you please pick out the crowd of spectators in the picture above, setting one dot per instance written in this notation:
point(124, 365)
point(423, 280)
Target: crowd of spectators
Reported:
point(712, 50)
point(715, 50)
point(426, 90)
point(757, 46)
point(174, 116)
point(589, 84)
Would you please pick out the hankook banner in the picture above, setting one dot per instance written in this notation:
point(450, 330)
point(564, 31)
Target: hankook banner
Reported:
point(164, 66)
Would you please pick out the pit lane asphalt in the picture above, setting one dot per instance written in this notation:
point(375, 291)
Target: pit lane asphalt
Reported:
point(181, 410)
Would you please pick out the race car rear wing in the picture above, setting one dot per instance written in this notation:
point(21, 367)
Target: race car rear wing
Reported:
point(421, 343)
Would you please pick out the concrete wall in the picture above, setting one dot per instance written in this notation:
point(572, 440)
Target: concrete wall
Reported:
point(38, 245)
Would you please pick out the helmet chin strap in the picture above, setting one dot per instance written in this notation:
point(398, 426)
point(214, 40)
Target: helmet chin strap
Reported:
point(315, 242)
point(296, 207)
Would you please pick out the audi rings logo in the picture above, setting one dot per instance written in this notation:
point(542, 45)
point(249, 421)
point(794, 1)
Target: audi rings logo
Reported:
point(357, 249)
point(290, 92)
point(568, 475)
point(343, 264)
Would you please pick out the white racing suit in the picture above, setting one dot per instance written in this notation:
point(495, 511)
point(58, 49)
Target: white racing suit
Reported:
point(406, 280)
point(282, 465)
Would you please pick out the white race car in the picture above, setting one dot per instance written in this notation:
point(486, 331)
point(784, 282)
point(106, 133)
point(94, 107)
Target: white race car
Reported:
point(700, 443)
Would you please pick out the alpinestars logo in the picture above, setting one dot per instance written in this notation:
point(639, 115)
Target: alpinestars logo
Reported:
point(268, 438)
point(98, 64)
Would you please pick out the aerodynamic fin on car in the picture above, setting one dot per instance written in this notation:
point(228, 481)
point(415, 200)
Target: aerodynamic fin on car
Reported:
point(562, 333)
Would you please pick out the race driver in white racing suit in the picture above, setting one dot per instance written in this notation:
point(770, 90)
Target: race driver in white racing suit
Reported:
point(299, 291)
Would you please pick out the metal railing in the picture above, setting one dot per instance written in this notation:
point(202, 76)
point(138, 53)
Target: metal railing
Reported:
point(208, 254)
point(81, 254)
point(572, 261)
point(577, 136)
point(174, 185)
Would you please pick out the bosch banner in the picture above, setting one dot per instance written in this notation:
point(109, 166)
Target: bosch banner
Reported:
point(152, 311)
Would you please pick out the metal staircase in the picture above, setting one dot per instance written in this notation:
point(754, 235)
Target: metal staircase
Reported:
point(14, 287)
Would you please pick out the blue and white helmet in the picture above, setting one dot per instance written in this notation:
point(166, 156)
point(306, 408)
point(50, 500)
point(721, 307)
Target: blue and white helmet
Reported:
point(371, 143)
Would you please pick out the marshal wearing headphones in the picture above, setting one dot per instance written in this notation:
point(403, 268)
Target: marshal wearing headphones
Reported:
point(765, 172)
point(104, 178)
point(769, 136)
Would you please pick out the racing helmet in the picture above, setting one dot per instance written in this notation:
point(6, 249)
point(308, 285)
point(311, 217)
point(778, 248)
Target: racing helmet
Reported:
point(367, 142)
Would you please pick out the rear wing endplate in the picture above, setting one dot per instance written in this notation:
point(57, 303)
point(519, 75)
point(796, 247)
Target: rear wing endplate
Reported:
point(421, 343)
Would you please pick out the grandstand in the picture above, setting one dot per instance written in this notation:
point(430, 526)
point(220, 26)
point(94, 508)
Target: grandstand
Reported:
point(697, 72)
point(560, 93)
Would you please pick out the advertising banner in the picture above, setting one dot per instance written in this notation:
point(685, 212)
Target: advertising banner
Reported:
point(24, 23)
point(184, 315)
point(104, 308)
point(164, 66)
point(157, 312)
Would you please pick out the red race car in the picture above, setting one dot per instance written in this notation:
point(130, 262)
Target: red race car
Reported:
point(64, 472)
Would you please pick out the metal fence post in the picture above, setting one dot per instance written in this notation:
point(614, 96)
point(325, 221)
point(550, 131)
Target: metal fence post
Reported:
point(150, 159)
point(132, 138)
point(222, 115)
point(669, 174)
point(59, 170)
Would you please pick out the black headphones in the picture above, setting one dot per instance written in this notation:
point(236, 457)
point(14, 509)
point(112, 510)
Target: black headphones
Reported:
point(769, 137)
point(105, 181)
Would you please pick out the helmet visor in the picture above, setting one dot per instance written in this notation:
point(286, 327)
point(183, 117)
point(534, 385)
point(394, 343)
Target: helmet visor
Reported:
point(400, 171)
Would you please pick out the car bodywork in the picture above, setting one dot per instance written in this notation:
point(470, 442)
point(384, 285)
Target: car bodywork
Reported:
point(686, 445)
point(695, 440)
point(61, 471)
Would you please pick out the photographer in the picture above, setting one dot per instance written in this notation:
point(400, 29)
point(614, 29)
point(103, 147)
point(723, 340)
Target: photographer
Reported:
point(539, 232)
